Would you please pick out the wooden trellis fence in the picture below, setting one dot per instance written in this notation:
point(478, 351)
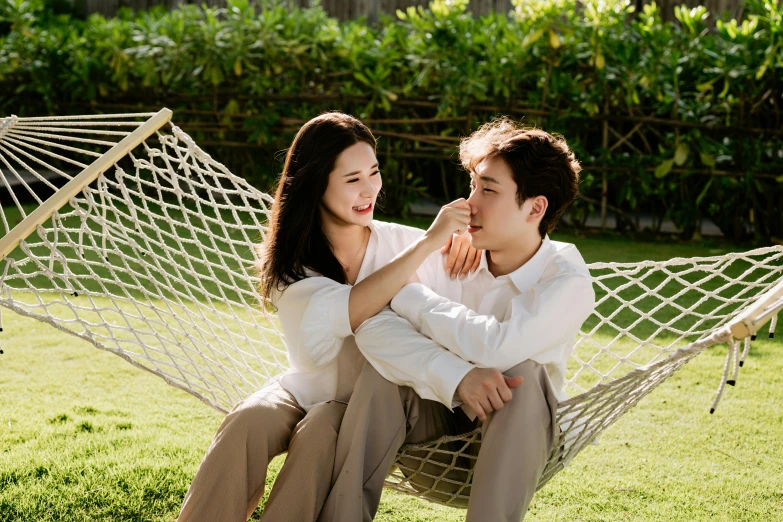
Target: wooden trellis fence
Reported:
point(415, 141)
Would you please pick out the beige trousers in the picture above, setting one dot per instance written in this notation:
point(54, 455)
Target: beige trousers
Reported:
point(230, 480)
point(516, 443)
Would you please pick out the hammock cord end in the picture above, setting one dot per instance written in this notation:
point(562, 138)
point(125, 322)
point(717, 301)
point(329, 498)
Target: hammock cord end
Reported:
point(730, 356)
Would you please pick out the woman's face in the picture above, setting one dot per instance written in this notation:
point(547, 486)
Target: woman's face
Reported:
point(353, 186)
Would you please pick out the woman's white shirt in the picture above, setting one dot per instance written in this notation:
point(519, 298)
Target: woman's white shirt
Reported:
point(324, 359)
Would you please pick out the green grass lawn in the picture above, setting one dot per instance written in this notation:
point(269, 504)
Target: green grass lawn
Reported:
point(86, 436)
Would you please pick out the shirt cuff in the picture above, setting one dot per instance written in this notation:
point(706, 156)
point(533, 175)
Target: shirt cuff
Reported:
point(447, 371)
point(339, 315)
point(410, 300)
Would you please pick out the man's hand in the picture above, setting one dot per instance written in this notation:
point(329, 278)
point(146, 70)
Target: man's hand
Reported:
point(486, 390)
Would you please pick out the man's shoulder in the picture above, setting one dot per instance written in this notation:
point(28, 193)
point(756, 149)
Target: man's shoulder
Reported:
point(566, 258)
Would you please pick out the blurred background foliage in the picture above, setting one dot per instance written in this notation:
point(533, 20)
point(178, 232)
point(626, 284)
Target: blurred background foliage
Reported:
point(678, 120)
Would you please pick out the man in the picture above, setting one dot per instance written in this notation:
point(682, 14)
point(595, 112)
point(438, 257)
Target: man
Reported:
point(512, 325)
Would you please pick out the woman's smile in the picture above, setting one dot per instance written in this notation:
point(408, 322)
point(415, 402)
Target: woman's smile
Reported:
point(363, 209)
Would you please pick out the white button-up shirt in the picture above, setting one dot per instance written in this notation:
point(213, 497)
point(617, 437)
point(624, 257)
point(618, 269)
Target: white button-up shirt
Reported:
point(325, 361)
point(532, 313)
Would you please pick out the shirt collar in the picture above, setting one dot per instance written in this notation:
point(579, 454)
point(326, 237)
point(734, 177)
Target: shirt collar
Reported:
point(483, 267)
point(527, 274)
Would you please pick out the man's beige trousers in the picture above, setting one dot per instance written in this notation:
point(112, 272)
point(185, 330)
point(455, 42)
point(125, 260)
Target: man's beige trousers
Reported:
point(381, 417)
point(230, 480)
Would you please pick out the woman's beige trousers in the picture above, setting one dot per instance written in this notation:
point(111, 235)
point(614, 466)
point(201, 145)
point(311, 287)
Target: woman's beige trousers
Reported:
point(230, 480)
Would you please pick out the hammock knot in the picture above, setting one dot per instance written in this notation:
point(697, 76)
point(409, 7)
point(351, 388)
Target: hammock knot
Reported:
point(42, 234)
point(75, 206)
point(6, 124)
point(191, 145)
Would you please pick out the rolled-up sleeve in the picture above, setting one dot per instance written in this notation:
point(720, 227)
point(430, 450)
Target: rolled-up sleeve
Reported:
point(314, 317)
point(539, 320)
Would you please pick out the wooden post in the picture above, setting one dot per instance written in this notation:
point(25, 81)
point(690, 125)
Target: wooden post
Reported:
point(604, 179)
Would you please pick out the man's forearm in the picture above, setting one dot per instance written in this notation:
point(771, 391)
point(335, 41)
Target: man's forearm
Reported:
point(405, 357)
point(558, 309)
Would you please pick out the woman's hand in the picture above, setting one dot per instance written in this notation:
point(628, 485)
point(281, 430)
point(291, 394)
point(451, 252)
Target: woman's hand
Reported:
point(463, 258)
point(453, 218)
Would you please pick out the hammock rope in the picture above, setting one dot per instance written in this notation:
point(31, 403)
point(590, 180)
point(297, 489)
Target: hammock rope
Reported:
point(120, 230)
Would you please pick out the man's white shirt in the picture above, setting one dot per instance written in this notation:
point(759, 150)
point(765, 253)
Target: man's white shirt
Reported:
point(532, 313)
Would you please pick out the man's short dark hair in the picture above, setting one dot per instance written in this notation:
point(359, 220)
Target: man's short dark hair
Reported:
point(541, 163)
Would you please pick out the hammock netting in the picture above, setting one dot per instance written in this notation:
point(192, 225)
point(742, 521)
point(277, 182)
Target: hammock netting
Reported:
point(120, 230)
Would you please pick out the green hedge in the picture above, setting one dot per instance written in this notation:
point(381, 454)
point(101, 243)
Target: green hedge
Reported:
point(570, 66)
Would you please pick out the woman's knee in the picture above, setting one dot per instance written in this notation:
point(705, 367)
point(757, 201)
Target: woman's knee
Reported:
point(322, 423)
point(262, 418)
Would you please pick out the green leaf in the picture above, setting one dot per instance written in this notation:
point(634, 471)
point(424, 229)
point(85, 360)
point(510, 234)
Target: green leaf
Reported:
point(554, 40)
point(532, 37)
point(600, 61)
point(681, 154)
point(664, 168)
point(361, 77)
point(703, 192)
point(725, 90)
point(707, 159)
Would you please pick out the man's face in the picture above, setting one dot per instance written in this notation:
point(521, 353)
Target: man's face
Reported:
point(497, 220)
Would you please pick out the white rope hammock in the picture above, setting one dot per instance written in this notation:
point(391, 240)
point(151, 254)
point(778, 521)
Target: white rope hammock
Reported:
point(131, 237)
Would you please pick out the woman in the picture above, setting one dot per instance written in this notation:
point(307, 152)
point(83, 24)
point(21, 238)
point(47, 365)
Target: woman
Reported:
point(326, 266)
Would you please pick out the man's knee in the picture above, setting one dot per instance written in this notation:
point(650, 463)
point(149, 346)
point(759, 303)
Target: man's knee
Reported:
point(534, 394)
point(530, 370)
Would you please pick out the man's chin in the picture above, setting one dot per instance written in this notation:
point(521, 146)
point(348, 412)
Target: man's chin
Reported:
point(481, 241)
point(477, 243)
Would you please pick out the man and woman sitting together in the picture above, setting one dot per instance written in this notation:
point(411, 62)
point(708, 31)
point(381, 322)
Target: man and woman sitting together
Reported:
point(388, 347)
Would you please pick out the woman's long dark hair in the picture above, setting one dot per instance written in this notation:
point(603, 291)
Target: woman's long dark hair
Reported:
point(295, 239)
